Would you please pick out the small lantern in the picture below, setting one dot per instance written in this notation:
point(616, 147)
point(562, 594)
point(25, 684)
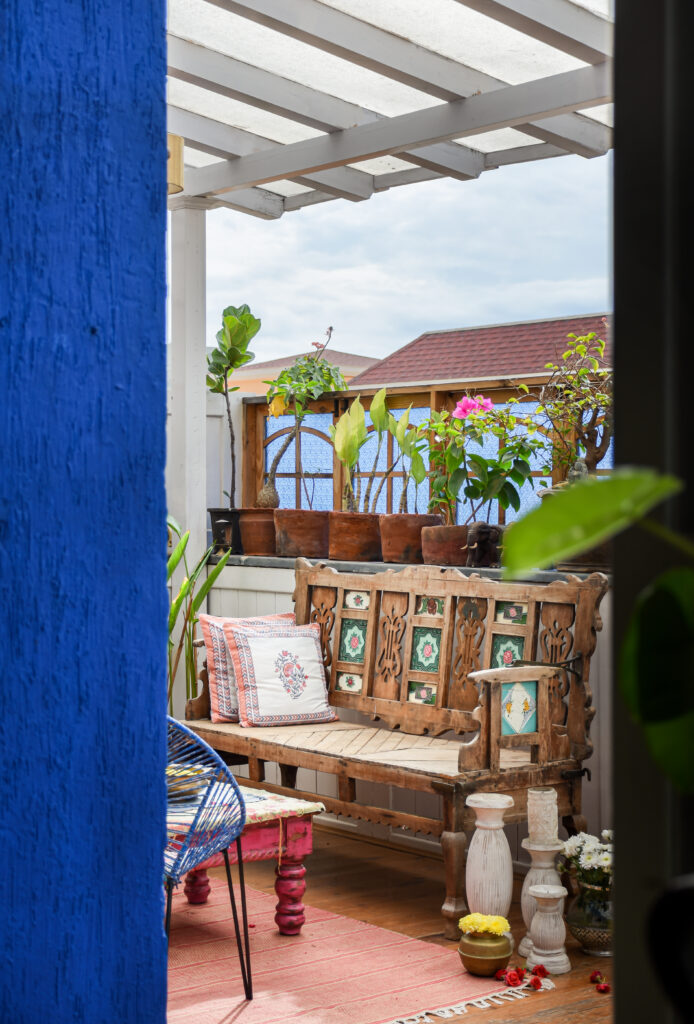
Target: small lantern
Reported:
point(174, 163)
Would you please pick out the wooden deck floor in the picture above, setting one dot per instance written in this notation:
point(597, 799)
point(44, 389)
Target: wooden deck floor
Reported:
point(402, 891)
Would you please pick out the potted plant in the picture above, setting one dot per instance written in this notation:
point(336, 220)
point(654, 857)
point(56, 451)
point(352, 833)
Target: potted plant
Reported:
point(239, 327)
point(456, 466)
point(353, 535)
point(486, 945)
point(299, 531)
point(588, 860)
point(576, 404)
point(401, 532)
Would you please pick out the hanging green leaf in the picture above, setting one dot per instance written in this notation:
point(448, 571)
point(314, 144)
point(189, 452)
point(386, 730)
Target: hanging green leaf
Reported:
point(581, 516)
point(378, 411)
point(176, 555)
point(210, 581)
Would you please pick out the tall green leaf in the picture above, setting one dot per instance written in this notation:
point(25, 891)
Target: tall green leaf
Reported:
point(176, 555)
point(379, 412)
point(207, 585)
point(581, 516)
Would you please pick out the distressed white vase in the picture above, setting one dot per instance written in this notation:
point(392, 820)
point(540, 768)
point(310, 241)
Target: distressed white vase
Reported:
point(543, 818)
point(489, 870)
point(542, 872)
point(547, 929)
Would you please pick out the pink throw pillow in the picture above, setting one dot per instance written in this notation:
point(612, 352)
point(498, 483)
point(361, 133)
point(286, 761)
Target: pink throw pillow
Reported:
point(224, 700)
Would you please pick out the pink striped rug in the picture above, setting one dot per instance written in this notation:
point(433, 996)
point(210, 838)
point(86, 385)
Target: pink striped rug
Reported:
point(338, 971)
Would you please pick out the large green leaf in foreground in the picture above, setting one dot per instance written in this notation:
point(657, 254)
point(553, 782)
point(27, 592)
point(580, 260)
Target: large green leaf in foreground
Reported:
point(581, 516)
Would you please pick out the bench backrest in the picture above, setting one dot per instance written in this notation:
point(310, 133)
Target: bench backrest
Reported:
point(398, 645)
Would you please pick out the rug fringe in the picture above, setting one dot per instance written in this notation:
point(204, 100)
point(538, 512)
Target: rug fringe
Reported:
point(485, 1003)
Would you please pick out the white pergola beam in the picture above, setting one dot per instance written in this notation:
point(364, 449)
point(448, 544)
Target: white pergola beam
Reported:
point(559, 23)
point(507, 107)
point(522, 154)
point(223, 140)
point(347, 37)
point(229, 77)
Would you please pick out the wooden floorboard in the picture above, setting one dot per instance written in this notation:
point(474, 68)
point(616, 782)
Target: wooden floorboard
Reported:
point(403, 891)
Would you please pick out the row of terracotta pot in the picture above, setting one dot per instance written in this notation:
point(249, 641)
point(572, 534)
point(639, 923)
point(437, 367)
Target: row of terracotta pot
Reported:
point(341, 536)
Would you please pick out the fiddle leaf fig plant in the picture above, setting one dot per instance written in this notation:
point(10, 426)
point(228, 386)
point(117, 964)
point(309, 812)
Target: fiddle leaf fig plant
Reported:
point(238, 329)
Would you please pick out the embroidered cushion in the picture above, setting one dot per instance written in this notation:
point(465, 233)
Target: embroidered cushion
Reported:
point(280, 674)
point(224, 701)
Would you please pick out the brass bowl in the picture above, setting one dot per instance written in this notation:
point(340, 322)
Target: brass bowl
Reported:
point(484, 954)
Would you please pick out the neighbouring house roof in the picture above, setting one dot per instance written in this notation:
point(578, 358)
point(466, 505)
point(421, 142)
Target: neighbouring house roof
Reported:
point(349, 362)
point(482, 353)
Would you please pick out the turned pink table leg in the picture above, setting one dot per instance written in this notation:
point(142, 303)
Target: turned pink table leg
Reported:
point(197, 887)
point(290, 887)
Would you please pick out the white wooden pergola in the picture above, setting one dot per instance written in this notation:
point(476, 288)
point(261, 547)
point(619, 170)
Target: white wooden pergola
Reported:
point(283, 104)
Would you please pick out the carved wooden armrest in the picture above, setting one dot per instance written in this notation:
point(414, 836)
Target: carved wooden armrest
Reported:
point(199, 707)
point(518, 696)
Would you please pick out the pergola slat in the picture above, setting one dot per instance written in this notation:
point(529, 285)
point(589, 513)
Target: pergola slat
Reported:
point(562, 24)
point(586, 87)
point(344, 36)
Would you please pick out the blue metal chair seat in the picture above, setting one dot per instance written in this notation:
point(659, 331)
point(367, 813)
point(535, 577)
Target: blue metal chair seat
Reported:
point(205, 815)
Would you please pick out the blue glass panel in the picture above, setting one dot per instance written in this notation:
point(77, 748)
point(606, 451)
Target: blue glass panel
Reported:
point(321, 494)
point(288, 461)
point(286, 489)
point(529, 498)
point(316, 453)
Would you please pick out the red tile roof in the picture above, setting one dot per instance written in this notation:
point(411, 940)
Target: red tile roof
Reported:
point(347, 361)
point(482, 353)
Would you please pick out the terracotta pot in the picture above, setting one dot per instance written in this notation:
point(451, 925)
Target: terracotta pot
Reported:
point(597, 559)
point(225, 529)
point(401, 536)
point(257, 530)
point(301, 532)
point(444, 545)
point(354, 537)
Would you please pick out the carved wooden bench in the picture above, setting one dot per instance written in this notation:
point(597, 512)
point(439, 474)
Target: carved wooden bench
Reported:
point(398, 647)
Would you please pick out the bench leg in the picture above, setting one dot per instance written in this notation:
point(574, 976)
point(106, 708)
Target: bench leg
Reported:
point(197, 887)
point(290, 887)
point(454, 846)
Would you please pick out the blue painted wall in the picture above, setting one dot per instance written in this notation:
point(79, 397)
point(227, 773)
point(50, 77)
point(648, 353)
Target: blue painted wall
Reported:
point(82, 510)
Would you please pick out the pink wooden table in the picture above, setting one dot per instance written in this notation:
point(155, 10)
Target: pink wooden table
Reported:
point(277, 828)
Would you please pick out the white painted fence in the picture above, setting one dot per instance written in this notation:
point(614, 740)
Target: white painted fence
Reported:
point(244, 590)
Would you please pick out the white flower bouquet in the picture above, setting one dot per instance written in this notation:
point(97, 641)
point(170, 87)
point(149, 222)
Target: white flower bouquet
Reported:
point(589, 858)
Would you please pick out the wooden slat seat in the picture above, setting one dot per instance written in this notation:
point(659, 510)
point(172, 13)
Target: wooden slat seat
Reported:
point(401, 648)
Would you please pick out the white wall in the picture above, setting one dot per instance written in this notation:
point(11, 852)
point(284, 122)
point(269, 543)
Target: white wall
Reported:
point(251, 590)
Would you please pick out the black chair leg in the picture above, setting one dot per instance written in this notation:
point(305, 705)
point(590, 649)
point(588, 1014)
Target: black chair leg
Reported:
point(169, 894)
point(245, 950)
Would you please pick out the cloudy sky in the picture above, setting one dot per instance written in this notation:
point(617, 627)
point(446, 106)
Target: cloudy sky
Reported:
point(522, 242)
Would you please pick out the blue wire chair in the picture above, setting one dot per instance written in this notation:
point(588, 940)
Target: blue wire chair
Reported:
point(205, 814)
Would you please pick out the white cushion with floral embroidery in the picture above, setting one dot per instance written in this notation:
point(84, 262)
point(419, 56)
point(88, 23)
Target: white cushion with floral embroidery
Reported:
point(279, 674)
point(224, 698)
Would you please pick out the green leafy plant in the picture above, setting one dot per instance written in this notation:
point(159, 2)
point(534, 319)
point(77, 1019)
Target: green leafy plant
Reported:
point(349, 435)
point(576, 404)
point(239, 327)
point(454, 465)
point(306, 380)
point(655, 663)
point(411, 444)
point(186, 603)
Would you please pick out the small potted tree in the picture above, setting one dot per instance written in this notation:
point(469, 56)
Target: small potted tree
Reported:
point(239, 327)
point(576, 403)
point(299, 531)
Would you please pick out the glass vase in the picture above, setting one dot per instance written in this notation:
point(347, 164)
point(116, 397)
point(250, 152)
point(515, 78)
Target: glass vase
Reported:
point(589, 918)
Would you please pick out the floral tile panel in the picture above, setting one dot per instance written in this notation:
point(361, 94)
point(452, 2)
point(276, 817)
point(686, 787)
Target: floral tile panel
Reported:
point(426, 649)
point(429, 605)
point(506, 650)
point(357, 599)
point(518, 708)
point(352, 641)
point(509, 611)
point(349, 682)
point(421, 693)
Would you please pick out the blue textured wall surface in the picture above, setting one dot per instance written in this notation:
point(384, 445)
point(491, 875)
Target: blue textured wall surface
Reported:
point(82, 510)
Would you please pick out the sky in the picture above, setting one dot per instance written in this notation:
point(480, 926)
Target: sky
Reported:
point(523, 242)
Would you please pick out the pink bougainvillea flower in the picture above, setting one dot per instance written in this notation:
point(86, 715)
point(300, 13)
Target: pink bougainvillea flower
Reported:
point(464, 407)
point(484, 404)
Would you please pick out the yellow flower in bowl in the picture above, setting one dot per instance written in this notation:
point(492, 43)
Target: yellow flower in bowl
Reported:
point(480, 924)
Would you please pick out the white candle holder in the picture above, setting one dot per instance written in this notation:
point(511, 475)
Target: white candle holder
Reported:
point(547, 929)
point(489, 870)
point(543, 818)
point(542, 871)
